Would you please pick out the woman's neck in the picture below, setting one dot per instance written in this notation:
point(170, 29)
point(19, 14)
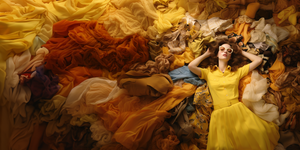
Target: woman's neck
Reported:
point(222, 65)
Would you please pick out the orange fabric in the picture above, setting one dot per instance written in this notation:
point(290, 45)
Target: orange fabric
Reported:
point(137, 130)
point(275, 71)
point(87, 43)
point(242, 85)
point(243, 29)
point(164, 139)
point(134, 119)
point(75, 76)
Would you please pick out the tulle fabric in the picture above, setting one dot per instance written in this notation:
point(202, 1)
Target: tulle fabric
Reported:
point(169, 18)
point(119, 114)
point(130, 17)
point(240, 128)
point(87, 43)
point(19, 26)
point(90, 92)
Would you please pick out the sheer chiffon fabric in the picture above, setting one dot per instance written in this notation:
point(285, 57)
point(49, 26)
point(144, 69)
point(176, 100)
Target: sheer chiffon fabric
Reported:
point(87, 43)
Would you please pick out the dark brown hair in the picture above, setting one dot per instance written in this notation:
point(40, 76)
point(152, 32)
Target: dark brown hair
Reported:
point(236, 61)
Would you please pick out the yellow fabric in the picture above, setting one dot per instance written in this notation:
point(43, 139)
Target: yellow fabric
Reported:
point(284, 14)
point(241, 28)
point(232, 124)
point(293, 18)
point(168, 18)
point(275, 71)
point(131, 17)
point(179, 59)
point(252, 9)
point(18, 29)
point(200, 44)
point(224, 86)
point(236, 127)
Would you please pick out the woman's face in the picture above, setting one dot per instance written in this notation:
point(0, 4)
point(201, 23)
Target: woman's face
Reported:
point(225, 52)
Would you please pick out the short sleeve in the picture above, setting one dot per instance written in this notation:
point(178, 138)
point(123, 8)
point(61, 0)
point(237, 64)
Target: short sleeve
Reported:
point(243, 71)
point(204, 72)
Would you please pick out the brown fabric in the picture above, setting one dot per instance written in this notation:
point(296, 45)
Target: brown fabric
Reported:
point(160, 65)
point(139, 84)
point(37, 135)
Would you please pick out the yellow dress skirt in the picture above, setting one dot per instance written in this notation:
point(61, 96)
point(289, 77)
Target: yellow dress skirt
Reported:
point(236, 127)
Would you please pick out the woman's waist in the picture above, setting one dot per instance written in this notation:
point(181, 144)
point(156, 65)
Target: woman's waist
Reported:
point(225, 103)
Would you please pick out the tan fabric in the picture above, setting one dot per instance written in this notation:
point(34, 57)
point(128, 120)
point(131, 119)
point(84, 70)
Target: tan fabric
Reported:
point(139, 84)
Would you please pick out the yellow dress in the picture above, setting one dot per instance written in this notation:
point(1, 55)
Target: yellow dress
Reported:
point(233, 126)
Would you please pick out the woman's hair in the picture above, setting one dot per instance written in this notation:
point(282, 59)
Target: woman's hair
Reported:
point(236, 61)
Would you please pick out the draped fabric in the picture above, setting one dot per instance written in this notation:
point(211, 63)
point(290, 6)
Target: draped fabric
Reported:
point(78, 43)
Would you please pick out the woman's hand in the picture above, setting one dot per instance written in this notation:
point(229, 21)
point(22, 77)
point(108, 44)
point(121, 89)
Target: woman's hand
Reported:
point(193, 66)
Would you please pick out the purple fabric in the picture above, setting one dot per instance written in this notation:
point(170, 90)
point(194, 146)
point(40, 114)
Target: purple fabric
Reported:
point(44, 85)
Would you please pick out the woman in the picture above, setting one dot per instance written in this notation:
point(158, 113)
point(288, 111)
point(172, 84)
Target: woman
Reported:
point(232, 126)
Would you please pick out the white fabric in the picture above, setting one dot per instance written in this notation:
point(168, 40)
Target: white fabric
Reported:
point(82, 98)
point(215, 24)
point(252, 98)
point(100, 134)
point(263, 27)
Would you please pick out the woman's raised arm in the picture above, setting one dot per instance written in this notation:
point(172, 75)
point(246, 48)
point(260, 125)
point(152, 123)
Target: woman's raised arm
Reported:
point(256, 60)
point(193, 66)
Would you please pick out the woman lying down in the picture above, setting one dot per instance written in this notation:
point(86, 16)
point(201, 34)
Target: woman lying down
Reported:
point(232, 126)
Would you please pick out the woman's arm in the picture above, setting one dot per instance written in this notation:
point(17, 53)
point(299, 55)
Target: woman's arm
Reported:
point(256, 60)
point(193, 66)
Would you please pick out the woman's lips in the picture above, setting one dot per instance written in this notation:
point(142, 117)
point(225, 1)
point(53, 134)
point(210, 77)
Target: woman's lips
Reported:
point(225, 55)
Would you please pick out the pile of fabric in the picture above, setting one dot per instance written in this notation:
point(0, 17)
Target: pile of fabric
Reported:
point(112, 74)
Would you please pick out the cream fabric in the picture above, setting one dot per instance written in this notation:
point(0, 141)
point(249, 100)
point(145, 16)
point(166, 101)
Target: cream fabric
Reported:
point(262, 27)
point(83, 97)
point(100, 133)
point(130, 17)
point(252, 98)
point(215, 24)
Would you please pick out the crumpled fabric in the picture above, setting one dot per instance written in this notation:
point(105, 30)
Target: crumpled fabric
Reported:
point(288, 83)
point(100, 134)
point(36, 61)
point(118, 110)
point(80, 120)
point(193, 8)
point(19, 27)
point(59, 127)
point(164, 138)
point(215, 24)
point(284, 14)
point(75, 76)
point(198, 45)
point(140, 13)
point(16, 95)
point(87, 43)
point(36, 45)
point(160, 65)
point(186, 57)
point(138, 128)
point(201, 117)
point(252, 98)
point(276, 70)
point(154, 48)
point(86, 95)
point(44, 84)
point(50, 110)
point(141, 84)
point(15, 98)
point(241, 29)
point(291, 50)
point(170, 17)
